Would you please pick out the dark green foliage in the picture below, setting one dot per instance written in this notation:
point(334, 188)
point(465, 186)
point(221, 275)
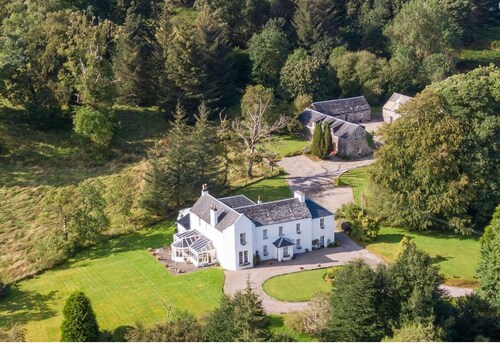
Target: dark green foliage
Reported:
point(179, 327)
point(135, 64)
point(308, 75)
point(327, 139)
point(268, 52)
point(416, 285)
point(317, 141)
point(240, 318)
point(488, 271)
point(354, 313)
point(361, 225)
point(474, 318)
point(79, 324)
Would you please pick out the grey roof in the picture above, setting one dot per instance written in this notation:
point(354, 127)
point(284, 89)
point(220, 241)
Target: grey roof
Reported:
point(226, 215)
point(339, 127)
point(202, 244)
point(283, 242)
point(186, 234)
point(341, 106)
point(317, 211)
point(185, 222)
point(275, 212)
point(395, 101)
point(237, 201)
point(185, 239)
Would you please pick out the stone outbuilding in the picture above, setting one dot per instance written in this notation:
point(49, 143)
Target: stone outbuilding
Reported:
point(390, 109)
point(349, 139)
point(354, 110)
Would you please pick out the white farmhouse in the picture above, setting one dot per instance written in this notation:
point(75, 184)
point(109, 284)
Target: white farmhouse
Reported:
point(233, 230)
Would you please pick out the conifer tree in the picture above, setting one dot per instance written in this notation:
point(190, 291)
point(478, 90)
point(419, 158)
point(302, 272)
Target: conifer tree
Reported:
point(327, 140)
point(316, 140)
point(135, 64)
point(79, 324)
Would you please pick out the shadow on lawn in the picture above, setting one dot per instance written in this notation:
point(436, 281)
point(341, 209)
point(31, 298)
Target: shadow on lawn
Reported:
point(21, 307)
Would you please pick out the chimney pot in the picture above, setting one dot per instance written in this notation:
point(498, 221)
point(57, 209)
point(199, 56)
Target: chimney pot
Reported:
point(204, 189)
point(300, 195)
point(214, 218)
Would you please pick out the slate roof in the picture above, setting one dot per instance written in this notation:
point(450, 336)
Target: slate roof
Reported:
point(237, 201)
point(339, 127)
point(185, 222)
point(395, 101)
point(275, 212)
point(317, 211)
point(283, 242)
point(341, 106)
point(226, 215)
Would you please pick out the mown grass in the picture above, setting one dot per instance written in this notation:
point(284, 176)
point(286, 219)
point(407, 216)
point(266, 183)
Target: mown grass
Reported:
point(124, 282)
point(299, 286)
point(287, 145)
point(456, 256)
point(269, 189)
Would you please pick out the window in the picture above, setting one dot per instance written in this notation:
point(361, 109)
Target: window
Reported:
point(243, 238)
point(280, 230)
point(322, 223)
point(285, 252)
point(298, 228)
point(359, 151)
point(298, 244)
point(264, 234)
point(265, 250)
point(243, 255)
point(322, 241)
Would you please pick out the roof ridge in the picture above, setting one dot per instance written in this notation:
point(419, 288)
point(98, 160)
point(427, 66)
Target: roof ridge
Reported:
point(265, 203)
point(353, 97)
point(228, 207)
point(333, 117)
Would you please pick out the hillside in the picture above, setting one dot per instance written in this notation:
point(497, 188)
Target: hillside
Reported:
point(34, 161)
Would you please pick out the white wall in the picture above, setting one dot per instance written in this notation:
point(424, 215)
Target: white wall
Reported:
point(232, 247)
point(328, 232)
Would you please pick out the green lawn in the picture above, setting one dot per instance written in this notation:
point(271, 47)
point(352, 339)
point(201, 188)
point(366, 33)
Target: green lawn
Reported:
point(481, 51)
point(456, 256)
point(278, 326)
point(357, 179)
point(124, 282)
point(286, 145)
point(299, 286)
point(269, 189)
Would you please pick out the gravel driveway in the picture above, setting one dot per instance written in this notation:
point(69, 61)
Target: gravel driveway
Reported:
point(315, 180)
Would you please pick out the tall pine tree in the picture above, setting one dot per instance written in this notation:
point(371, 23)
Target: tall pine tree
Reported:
point(327, 139)
point(79, 324)
point(317, 139)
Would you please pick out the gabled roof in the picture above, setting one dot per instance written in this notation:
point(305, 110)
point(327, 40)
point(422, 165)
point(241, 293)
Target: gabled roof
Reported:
point(226, 215)
point(341, 106)
point(185, 239)
point(339, 127)
point(237, 201)
point(282, 242)
point(202, 244)
point(317, 211)
point(185, 222)
point(275, 212)
point(395, 101)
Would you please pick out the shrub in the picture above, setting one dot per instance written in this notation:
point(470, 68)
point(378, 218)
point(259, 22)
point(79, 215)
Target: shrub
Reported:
point(93, 124)
point(79, 324)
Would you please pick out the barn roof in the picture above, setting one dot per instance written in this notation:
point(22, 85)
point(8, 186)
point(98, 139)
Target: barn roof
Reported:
point(341, 106)
point(339, 127)
point(395, 101)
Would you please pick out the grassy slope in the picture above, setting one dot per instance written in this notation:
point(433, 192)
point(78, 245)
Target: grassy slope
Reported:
point(481, 51)
point(457, 256)
point(299, 286)
point(124, 282)
point(269, 189)
point(33, 161)
point(287, 145)
point(278, 326)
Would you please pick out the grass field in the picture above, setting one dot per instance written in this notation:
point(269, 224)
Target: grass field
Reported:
point(287, 145)
point(299, 286)
point(482, 51)
point(457, 256)
point(269, 189)
point(358, 180)
point(124, 282)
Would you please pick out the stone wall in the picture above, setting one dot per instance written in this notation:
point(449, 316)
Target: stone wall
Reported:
point(387, 114)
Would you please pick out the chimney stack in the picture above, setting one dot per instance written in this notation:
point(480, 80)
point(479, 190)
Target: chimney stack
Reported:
point(214, 218)
point(299, 195)
point(204, 189)
point(258, 200)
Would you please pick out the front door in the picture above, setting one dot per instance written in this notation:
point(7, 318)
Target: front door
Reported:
point(322, 241)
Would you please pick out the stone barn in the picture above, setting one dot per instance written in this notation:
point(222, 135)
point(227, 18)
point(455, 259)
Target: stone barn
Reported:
point(349, 139)
point(390, 109)
point(354, 110)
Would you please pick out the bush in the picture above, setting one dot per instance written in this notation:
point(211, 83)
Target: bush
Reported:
point(93, 124)
point(79, 324)
point(362, 226)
